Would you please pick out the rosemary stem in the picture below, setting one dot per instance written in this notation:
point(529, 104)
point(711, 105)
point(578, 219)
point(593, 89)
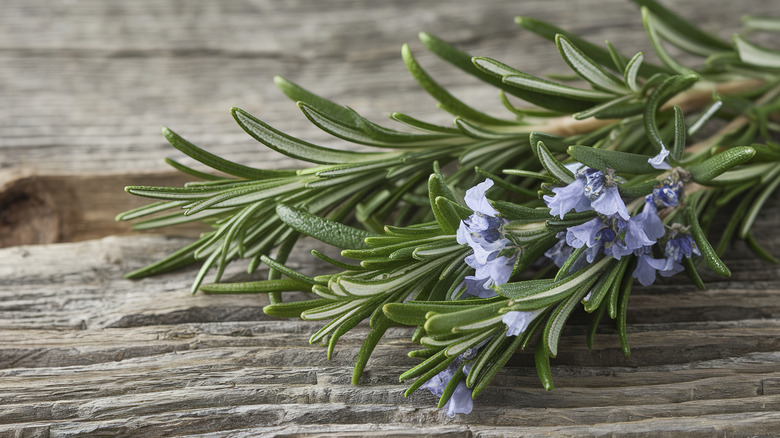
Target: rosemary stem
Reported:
point(732, 126)
point(691, 100)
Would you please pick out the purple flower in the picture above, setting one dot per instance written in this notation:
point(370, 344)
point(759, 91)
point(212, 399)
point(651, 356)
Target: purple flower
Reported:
point(660, 161)
point(679, 245)
point(604, 237)
point(649, 221)
point(646, 266)
point(495, 270)
point(668, 195)
point(560, 252)
point(476, 200)
point(616, 237)
point(483, 232)
point(518, 321)
point(641, 230)
point(568, 197)
point(609, 203)
point(474, 237)
point(595, 234)
point(478, 287)
point(590, 190)
point(670, 268)
point(461, 401)
point(579, 235)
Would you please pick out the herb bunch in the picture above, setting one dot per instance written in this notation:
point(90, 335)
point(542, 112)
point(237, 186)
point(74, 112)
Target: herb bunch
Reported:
point(592, 186)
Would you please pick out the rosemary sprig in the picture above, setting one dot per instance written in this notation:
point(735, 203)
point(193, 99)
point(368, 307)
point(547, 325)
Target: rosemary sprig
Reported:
point(614, 178)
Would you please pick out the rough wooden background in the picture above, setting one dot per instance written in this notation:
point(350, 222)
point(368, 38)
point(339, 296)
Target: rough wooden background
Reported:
point(85, 86)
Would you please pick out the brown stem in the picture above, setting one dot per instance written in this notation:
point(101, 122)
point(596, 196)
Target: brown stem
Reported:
point(690, 100)
point(734, 125)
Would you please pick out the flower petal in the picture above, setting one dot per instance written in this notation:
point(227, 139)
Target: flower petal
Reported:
point(460, 402)
point(476, 200)
point(610, 203)
point(559, 253)
point(517, 322)
point(645, 271)
point(659, 161)
point(579, 235)
point(477, 287)
point(566, 198)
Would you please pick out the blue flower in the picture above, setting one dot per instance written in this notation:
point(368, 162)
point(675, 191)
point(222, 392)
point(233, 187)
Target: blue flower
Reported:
point(590, 190)
point(461, 401)
point(595, 234)
point(649, 221)
point(603, 193)
point(495, 270)
point(483, 232)
point(609, 203)
point(603, 237)
point(476, 200)
point(616, 237)
point(660, 161)
point(668, 195)
point(641, 230)
point(518, 321)
point(680, 244)
point(646, 266)
point(580, 235)
point(571, 196)
point(560, 252)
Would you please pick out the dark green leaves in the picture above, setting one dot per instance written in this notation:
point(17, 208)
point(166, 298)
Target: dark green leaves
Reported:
point(410, 269)
point(447, 101)
point(296, 148)
point(621, 162)
point(326, 230)
point(599, 54)
point(553, 166)
point(707, 251)
point(541, 92)
point(439, 192)
point(705, 171)
point(632, 70)
point(218, 163)
point(586, 68)
point(532, 295)
point(668, 88)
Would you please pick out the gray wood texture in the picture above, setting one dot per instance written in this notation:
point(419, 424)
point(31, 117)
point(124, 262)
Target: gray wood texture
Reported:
point(85, 86)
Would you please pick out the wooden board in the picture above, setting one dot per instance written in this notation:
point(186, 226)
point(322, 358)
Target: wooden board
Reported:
point(85, 86)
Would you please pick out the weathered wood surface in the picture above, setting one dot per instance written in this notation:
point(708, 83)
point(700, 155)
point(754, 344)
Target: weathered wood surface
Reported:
point(85, 86)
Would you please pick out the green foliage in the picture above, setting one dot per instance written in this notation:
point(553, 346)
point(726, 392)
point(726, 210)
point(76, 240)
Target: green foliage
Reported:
point(399, 213)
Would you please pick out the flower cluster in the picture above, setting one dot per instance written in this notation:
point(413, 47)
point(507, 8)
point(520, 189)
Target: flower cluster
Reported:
point(590, 190)
point(613, 232)
point(482, 231)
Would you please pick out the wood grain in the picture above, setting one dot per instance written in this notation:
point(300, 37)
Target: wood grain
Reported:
point(85, 86)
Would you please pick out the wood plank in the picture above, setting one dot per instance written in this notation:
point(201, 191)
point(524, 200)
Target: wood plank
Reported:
point(83, 352)
point(257, 373)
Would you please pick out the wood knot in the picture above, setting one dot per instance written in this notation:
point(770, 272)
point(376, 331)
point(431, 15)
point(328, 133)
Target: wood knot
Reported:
point(28, 214)
point(43, 209)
